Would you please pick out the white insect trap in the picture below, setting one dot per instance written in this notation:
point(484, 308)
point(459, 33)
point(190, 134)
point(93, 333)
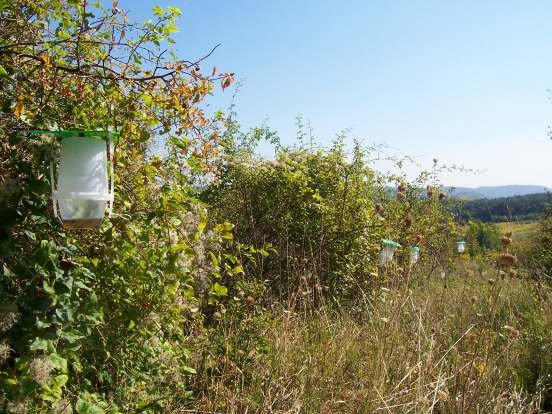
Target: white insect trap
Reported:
point(388, 251)
point(84, 178)
point(414, 254)
point(461, 246)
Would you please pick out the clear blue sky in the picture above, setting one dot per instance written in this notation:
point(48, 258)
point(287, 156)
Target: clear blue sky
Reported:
point(465, 82)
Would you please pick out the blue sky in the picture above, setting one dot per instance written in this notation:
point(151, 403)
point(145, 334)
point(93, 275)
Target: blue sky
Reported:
point(465, 82)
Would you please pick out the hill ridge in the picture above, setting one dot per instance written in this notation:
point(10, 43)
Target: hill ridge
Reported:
point(496, 191)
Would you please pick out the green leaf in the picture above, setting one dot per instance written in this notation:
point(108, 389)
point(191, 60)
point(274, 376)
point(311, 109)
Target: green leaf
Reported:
point(71, 336)
point(3, 73)
point(147, 99)
point(214, 259)
point(30, 235)
point(60, 380)
point(86, 407)
point(189, 370)
point(220, 290)
point(58, 362)
point(48, 288)
point(131, 325)
point(174, 10)
point(180, 247)
point(10, 381)
point(40, 344)
point(40, 324)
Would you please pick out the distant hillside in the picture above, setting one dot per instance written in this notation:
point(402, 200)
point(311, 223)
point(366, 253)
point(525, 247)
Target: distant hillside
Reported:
point(517, 208)
point(496, 191)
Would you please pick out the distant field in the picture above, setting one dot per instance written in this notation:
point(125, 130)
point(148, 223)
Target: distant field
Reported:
point(519, 230)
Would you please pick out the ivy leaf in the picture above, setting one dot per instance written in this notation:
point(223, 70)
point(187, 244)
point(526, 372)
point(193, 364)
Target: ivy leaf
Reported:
point(86, 407)
point(41, 344)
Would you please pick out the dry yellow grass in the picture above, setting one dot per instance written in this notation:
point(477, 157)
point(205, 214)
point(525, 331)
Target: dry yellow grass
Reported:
point(481, 343)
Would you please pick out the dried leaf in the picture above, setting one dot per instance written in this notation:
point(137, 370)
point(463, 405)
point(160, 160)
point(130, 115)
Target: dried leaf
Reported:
point(19, 109)
point(44, 58)
point(227, 81)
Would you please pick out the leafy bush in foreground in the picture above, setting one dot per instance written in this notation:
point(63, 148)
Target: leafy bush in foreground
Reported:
point(103, 321)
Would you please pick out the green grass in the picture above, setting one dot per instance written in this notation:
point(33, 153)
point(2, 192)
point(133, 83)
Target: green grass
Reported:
point(519, 230)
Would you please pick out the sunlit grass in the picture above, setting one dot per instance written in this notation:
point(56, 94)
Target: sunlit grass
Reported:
point(519, 230)
point(479, 342)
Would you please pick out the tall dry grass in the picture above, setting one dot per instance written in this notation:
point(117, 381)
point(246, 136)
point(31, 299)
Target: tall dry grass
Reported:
point(479, 343)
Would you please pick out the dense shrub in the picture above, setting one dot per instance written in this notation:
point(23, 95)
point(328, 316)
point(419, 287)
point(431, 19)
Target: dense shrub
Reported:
point(324, 212)
point(537, 252)
point(315, 208)
point(482, 237)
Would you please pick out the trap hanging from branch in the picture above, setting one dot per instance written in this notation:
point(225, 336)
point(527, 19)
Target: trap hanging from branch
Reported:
point(84, 189)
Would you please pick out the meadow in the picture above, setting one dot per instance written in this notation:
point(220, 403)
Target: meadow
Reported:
point(519, 230)
point(480, 341)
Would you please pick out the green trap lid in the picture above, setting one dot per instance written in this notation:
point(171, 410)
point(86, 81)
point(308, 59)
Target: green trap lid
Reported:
point(391, 243)
point(76, 133)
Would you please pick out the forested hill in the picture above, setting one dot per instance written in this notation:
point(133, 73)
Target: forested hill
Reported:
point(526, 207)
point(495, 191)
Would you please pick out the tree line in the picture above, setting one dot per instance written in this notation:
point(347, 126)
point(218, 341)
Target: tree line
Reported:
point(529, 207)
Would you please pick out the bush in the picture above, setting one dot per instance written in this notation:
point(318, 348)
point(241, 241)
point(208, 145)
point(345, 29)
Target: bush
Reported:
point(482, 237)
point(324, 214)
point(103, 321)
point(538, 252)
point(316, 211)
